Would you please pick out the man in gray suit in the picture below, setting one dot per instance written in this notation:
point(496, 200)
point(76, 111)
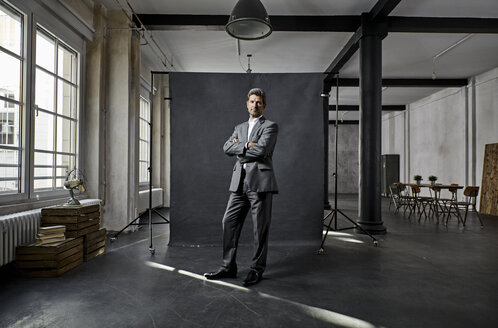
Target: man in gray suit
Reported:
point(252, 187)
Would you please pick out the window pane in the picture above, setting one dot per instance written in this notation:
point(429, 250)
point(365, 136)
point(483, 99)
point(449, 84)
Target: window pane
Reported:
point(59, 183)
point(9, 171)
point(10, 76)
point(66, 64)
point(40, 184)
point(65, 163)
point(44, 90)
point(144, 177)
point(9, 124)
point(10, 27)
point(66, 99)
point(144, 151)
point(43, 169)
point(44, 131)
point(45, 52)
point(66, 135)
point(143, 143)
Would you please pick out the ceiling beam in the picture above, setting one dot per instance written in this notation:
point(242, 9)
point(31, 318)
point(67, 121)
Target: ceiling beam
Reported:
point(379, 11)
point(279, 23)
point(442, 25)
point(355, 108)
point(345, 122)
point(326, 23)
point(406, 83)
point(383, 8)
point(344, 55)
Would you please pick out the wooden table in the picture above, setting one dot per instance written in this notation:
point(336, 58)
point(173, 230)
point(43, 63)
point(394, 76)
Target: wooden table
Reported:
point(438, 207)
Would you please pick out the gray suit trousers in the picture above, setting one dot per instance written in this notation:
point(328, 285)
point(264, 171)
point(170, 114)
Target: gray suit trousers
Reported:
point(239, 204)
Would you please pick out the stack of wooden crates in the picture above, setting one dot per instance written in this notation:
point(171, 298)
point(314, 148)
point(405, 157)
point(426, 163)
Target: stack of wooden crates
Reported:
point(85, 240)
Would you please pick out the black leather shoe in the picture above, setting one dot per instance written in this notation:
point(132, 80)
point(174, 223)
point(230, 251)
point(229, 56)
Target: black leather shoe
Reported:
point(220, 274)
point(253, 277)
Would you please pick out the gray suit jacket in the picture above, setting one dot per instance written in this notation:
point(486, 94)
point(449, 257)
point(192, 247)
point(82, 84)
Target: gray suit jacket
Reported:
point(259, 168)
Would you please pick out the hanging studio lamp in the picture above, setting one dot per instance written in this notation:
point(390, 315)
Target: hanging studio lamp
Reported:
point(249, 21)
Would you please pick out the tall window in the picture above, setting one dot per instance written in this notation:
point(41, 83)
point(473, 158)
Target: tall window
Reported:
point(144, 141)
point(11, 66)
point(38, 107)
point(56, 114)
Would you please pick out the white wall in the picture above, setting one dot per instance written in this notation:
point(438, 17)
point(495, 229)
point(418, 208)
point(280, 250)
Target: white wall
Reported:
point(347, 160)
point(445, 134)
point(486, 117)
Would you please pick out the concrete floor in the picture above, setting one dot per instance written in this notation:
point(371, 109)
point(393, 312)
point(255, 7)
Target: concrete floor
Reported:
point(420, 275)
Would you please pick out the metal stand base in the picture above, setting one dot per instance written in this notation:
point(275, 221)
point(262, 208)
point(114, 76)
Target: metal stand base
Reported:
point(334, 212)
point(150, 223)
point(132, 223)
point(150, 209)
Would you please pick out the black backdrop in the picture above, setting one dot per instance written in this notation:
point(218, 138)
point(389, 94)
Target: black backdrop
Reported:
point(205, 107)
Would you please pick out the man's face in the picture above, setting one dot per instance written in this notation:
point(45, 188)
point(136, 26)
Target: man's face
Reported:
point(255, 106)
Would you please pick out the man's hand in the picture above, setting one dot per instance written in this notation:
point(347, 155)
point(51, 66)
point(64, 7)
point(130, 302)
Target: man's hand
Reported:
point(250, 144)
point(235, 140)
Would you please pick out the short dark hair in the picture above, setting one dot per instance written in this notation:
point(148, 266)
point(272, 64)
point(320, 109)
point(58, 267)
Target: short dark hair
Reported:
point(258, 92)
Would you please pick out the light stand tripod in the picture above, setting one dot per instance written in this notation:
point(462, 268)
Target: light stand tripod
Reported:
point(149, 209)
point(336, 211)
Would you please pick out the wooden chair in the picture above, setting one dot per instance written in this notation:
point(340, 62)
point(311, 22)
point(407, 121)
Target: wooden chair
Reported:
point(438, 205)
point(471, 192)
point(395, 190)
point(420, 202)
point(405, 200)
point(453, 192)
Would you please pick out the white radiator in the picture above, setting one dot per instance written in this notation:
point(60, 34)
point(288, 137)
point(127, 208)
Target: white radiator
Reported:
point(16, 229)
point(21, 228)
point(143, 199)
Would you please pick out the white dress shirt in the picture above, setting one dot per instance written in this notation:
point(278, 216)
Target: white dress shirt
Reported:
point(252, 123)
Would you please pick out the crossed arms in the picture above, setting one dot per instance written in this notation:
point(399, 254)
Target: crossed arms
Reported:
point(255, 151)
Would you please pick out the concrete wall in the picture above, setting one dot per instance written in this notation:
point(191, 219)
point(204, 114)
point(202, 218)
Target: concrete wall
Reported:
point(347, 160)
point(82, 9)
point(393, 127)
point(111, 116)
point(94, 113)
point(485, 113)
point(445, 134)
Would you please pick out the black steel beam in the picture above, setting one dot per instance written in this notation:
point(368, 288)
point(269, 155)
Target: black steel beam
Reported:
point(420, 83)
point(406, 83)
point(343, 57)
point(379, 11)
point(383, 8)
point(342, 23)
point(345, 122)
point(442, 25)
point(355, 108)
point(316, 23)
point(181, 22)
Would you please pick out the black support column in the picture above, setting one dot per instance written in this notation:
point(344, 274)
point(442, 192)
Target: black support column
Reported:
point(370, 126)
point(325, 98)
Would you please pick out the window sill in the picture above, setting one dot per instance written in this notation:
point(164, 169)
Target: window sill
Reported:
point(27, 205)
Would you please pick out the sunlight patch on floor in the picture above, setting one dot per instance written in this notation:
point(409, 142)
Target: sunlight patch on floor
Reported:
point(324, 315)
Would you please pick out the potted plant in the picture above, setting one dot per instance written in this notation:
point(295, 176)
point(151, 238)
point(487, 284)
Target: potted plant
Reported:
point(433, 179)
point(417, 178)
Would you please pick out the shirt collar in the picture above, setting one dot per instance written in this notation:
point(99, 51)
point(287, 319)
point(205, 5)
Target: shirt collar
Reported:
point(254, 120)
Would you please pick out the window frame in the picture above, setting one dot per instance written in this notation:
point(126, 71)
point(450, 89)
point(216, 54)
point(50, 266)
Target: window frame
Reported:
point(21, 103)
point(43, 193)
point(36, 14)
point(143, 184)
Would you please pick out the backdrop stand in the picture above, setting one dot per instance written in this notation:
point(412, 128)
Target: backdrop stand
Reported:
point(335, 212)
point(149, 210)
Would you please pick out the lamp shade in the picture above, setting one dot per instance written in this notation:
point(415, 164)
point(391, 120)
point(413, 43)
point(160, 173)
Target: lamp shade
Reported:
point(249, 21)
